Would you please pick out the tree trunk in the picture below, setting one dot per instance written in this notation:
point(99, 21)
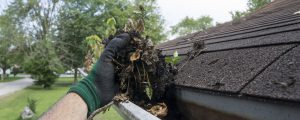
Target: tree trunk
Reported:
point(75, 75)
point(4, 72)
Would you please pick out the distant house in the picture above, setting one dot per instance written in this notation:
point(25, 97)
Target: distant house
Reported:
point(249, 69)
point(7, 71)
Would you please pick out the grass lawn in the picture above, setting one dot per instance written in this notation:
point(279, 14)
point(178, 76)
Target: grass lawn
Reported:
point(10, 79)
point(12, 105)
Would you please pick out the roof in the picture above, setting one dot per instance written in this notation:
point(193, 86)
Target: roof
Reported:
point(258, 55)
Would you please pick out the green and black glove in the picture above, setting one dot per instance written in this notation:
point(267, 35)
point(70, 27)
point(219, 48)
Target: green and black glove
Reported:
point(100, 86)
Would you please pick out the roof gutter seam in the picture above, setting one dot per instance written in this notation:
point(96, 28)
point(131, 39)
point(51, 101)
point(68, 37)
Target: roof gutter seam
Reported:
point(240, 95)
point(243, 106)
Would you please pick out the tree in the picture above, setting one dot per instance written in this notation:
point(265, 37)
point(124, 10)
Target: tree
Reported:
point(253, 5)
point(4, 47)
point(9, 43)
point(153, 22)
point(43, 65)
point(190, 25)
point(237, 15)
point(256, 4)
point(79, 19)
point(15, 70)
point(36, 17)
point(76, 21)
point(64, 25)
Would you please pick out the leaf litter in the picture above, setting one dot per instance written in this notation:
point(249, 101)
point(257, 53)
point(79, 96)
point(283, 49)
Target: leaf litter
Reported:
point(142, 71)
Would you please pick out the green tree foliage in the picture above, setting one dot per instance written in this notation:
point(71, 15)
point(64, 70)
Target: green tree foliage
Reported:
point(79, 19)
point(111, 27)
point(43, 65)
point(15, 70)
point(256, 4)
point(36, 18)
point(31, 103)
point(64, 25)
point(189, 25)
point(95, 44)
point(237, 15)
point(9, 43)
point(95, 49)
point(174, 59)
point(252, 6)
point(153, 20)
point(5, 46)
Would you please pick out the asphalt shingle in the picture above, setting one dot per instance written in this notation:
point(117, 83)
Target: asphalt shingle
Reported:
point(280, 80)
point(227, 70)
point(248, 56)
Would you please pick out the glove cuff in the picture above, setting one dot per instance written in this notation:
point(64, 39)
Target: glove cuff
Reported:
point(87, 91)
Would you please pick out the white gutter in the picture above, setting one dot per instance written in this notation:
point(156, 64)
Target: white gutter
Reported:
point(129, 110)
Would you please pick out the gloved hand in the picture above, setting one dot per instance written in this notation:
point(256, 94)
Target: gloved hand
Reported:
point(100, 86)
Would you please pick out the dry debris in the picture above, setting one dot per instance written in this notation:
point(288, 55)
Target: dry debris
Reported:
point(160, 110)
point(143, 75)
point(142, 71)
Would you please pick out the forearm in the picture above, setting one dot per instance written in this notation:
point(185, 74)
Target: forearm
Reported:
point(70, 107)
point(95, 90)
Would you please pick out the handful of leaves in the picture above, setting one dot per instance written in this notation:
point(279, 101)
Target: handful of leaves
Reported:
point(141, 69)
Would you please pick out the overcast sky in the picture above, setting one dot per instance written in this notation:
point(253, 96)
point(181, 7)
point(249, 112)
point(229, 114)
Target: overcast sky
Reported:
point(175, 10)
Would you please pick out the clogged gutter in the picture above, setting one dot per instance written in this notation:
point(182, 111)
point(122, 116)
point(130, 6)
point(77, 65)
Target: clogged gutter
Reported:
point(142, 71)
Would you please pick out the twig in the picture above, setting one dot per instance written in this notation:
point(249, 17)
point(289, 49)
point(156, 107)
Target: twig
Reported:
point(144, 71)
point(100, 110)
point(116, 62)
point(135, 80)
point(128, 86)
point(195, 54)
point(140, 77)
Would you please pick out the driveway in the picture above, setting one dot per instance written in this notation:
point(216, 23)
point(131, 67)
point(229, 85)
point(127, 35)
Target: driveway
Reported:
point(10, 87)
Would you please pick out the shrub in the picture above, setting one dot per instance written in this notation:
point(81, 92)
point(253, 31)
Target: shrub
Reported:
point(43, 64)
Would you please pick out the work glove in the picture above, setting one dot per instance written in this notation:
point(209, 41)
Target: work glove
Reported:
point(100, 86)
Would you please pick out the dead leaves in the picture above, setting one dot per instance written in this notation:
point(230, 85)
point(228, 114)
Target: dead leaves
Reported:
point(120, 98)
point(136, 55)
point(142, 72)
point(129, 26)
point(140, 26)
point(133, 25)
point(160, 110)
point(88, 62)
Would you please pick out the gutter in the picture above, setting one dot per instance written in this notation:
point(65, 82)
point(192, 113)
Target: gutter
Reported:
point(128, 110)
point(201, 104)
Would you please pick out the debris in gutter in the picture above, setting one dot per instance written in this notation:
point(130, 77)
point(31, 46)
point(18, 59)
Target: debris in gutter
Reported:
point(217, 85)
point(160, 110)
point(198, 48)
point(142, 71)
point(285, 84)
point(213, 62)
